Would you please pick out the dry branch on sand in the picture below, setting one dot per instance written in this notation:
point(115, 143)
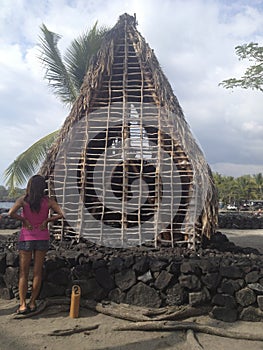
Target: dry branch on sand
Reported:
point(184, 326)
point(70, 331)
point(143, 319)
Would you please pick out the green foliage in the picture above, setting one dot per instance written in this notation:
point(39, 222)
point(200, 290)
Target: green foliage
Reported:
point(253, 76)
point(78, 55)
point(65, 77)
point(3, 193)
point(235, 190)
point(56, 72)
point(258, 178)
point(28, 162)
point(6, 195)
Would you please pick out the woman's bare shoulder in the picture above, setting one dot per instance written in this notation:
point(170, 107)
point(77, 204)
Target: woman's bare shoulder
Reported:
point(51, 200)
point(20, 200)
point(19, 203)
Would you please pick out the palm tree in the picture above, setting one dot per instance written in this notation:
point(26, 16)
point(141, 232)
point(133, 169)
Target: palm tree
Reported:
point(242, 189)
point(65, 77)
point(28, 162)
point(258, 179)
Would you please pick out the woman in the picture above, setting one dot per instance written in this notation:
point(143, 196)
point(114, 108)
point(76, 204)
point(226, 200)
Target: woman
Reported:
point(34, 237)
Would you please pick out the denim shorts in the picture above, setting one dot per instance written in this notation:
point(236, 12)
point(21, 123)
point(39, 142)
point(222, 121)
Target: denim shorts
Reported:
point(33, 245)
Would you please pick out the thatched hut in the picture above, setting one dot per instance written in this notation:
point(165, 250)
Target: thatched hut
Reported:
point(125, 167)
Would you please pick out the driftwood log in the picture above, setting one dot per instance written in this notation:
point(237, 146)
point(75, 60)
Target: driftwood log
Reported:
point(135, 313)
point(123, 311)
point(143, 319)
point(164, 326)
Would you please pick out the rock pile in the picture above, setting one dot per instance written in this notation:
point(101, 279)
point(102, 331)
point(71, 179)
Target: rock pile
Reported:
point(219, 274)
point(240, 220)
point(7, 223)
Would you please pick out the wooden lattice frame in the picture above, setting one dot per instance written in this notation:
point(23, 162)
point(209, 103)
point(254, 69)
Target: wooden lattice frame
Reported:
point(124, 123)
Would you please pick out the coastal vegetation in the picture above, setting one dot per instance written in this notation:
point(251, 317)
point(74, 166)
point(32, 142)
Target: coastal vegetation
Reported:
point(239, 190)
point(7, 196)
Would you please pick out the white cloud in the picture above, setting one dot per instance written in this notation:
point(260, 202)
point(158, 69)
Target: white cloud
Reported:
point(253, 127)
point(194, 42)
point(236, 170)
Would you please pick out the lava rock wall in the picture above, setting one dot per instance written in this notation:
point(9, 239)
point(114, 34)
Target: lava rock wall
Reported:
point(240, 220)
point(230, 280)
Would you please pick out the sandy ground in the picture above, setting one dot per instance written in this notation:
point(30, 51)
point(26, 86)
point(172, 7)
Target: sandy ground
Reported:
point(246, 238)
point(34, 333)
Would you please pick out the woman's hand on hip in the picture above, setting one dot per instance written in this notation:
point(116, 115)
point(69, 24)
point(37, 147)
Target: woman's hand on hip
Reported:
point(43, 226)
point(27, 224)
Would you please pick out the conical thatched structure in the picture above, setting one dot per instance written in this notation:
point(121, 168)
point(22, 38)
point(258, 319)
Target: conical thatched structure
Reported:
point(126, 168)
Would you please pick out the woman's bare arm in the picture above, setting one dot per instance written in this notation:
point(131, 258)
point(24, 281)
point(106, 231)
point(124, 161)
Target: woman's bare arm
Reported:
point(13, 213)
point(57, 210)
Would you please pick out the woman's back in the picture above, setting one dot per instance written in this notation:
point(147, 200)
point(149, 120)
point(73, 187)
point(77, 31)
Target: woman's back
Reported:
point(35, 219)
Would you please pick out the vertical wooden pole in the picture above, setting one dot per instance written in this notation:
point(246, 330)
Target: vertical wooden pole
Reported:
point(75, 302)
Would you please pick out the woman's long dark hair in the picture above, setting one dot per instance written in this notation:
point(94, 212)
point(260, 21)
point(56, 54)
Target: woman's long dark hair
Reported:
point(35, 191)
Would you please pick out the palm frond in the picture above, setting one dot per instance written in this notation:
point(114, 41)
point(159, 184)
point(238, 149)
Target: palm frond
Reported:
point(56, 72)
point(65, 79)
point(80, 51)
point(28, 162)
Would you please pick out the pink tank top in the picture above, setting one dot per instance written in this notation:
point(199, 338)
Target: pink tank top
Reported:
point(35, 219)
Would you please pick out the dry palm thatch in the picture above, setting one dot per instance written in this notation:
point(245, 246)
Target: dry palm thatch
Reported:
point(126, 168)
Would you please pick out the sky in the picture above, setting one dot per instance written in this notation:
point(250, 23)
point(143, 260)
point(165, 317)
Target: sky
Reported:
point(194, 41)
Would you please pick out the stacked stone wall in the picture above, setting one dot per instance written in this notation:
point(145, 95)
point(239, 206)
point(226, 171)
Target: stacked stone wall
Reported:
point(219, 274)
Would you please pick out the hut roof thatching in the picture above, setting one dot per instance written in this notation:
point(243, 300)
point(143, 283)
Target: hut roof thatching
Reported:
point(126, 71)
